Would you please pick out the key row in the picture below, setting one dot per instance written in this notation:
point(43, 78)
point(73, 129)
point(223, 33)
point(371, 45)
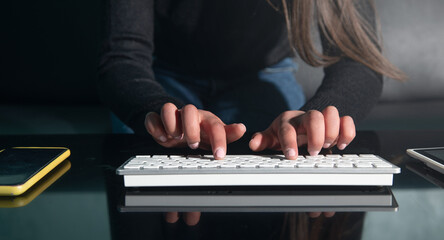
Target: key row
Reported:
point(251, 161)
point(261, 165)
point(282, 157)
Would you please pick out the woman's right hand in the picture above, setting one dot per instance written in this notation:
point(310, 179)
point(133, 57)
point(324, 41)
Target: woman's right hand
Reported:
point(193, 127)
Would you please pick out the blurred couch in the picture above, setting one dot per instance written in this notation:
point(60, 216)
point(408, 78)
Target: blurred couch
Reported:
point(51, 52)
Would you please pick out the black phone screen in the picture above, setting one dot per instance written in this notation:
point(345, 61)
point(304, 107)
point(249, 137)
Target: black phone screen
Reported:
point(17, 165)
point(435, 154)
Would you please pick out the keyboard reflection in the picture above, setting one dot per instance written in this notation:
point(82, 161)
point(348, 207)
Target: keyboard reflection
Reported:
point(259, 199)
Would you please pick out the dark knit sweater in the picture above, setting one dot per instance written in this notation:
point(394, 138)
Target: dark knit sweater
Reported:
point(214, 39)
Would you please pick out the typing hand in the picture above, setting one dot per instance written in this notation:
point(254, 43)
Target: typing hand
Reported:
point(315, 129)
point(190, 218)
point(193, 127)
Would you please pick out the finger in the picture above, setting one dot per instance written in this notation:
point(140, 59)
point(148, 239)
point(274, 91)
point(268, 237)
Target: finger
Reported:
point(329, 214)
point(263, 140)
point(171, 217)
point(216, 132)
point(347, 132)
point(171, 120)
point(314, 214)
point(234, 131)
point(154, 126)
point(287, 139)
point(191, 218)
point(191, 125)
point(314, 125)
point(332, 122)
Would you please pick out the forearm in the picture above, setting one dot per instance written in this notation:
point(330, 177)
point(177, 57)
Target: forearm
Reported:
point(350, 86)
point(126, 81)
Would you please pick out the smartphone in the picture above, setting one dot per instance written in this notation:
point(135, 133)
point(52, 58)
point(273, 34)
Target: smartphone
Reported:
point(426, 172)
point(22, 167)
point(432, 157)
point(32, 193)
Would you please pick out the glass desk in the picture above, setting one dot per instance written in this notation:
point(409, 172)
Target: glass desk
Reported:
point(87, 200)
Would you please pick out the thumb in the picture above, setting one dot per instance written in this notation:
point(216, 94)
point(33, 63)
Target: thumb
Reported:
point(234, 131)
point(263, 140)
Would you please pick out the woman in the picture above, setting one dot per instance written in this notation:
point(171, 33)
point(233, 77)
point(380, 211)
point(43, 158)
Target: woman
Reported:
point(197, 72)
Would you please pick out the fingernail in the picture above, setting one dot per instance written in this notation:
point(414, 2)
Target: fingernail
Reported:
point(342, 146)
point(290, 153)
point(220, 153)
point(178, 137)
point(327, 145)
point(313, 153)
point(194, 145)
point(243, 126)
point(252, 143)
point(162, 139)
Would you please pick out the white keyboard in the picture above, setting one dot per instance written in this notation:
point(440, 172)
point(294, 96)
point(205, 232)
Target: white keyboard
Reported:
point(257, 170)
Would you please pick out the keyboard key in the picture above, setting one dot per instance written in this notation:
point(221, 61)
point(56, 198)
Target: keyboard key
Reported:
point(151, 167)
point(228, 165)
point(267, 165)
point(344, 165)
point(248, 165)
point(143, 157)
point(133, 166)
point(363, 165)
point(289, 162)
point(189, 166)
point(176, 156)
point(286, 165)
point(350, 155)
point(336, 156)
point(365, 160)
point(325, 165)
point(209, 166)
point(382, 164)
point(137, 161)
point(306, 165)
point(164, 157)
point(315, 157)
point(170, 166)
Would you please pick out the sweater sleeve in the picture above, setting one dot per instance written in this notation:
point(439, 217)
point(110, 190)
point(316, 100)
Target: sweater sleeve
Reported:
point(126, 81)
point(348, 85)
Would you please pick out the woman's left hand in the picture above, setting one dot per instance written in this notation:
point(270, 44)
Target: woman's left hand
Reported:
point(315, 129)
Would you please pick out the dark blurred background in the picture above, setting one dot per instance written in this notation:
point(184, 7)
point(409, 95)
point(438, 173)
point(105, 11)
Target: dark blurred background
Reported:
point(50, 68)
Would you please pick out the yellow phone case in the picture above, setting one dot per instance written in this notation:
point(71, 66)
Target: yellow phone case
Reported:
point(37, 189)
point(15, 190)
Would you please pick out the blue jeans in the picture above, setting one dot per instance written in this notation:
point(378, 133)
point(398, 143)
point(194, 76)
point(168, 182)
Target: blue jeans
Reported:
point(255, 100)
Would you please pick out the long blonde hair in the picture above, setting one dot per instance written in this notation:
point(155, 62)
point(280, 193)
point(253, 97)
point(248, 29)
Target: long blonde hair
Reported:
point(344, 27)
